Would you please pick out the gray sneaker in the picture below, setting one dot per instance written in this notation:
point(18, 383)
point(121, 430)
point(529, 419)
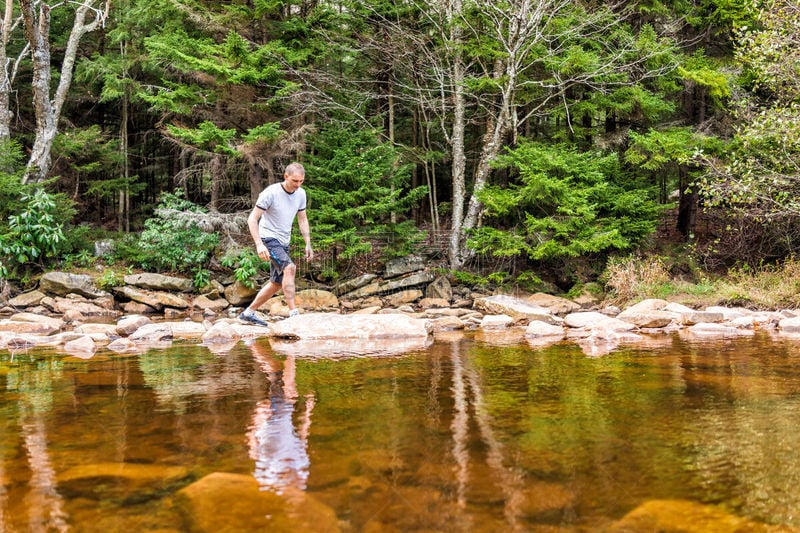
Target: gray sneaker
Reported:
point(248, 315)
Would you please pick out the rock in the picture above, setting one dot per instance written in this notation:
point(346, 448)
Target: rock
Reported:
point(131, 483)
point(408, 282)
point(555, 304)
point(62, 283)
point(205, 303)
point(516, 308)
point(537, 328)
point(156, 300)
point(129, 324)
point(221, 332)
point(650, 304)
point(27, 299)
point(159, 282)
point(790, 325)
point(81, 345)
point(81, 309)
point(137, 308)
point(718, 330)
point(187, 329)
point(156, 332)
point(404, 265)
point(403, 297)
point(368, 310)
point(584, 319)
point(447, 323)
point(122, 345)
point(109, 330)
point(496, 322)
point(364, 291)
point(700, 317)
point(29, 323)
point(354, 326)
point(681, 516)
point(238, 294)
point(316, 299)
point(645, 317)
point(248, 508)
point(729, 313)
point(439, 288)
point(353, 284)
point(428, 303)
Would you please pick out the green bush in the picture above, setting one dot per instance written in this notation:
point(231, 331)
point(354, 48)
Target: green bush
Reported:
point(172, 240)
point(245, 264)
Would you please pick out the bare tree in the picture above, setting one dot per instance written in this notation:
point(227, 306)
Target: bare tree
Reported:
point(46, 106)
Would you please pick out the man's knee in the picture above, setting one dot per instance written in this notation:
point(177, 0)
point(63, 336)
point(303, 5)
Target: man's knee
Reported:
point(290, 270)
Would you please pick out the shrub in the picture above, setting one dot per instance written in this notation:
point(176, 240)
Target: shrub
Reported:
point(635, 278)
point(172, 240)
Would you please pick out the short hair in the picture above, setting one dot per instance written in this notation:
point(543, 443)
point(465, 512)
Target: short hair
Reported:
point(295, 168)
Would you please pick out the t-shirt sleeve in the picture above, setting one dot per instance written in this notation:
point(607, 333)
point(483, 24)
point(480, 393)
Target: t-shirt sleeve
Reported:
point(264, 199)
point(302, 206)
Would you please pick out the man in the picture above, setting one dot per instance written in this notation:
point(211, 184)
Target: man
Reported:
point(270, 225)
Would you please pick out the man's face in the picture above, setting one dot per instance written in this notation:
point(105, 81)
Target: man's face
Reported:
point(292, 182)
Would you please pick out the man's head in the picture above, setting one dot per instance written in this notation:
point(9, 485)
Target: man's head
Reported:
point(293, 177)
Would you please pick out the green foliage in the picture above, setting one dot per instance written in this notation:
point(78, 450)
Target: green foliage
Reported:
point(355, 184)
point(201, 279)
point(109, 279)
point(565, 204)
point(703, 71)
point(34, 235)
point(245, 264)
point(173, 242)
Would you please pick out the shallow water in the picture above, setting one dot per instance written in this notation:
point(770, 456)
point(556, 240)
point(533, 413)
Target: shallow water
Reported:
point(476, 432)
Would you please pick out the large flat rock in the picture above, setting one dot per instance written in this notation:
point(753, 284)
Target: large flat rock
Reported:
point(334, 326)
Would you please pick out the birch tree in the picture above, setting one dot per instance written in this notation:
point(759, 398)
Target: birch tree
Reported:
point(89, 15)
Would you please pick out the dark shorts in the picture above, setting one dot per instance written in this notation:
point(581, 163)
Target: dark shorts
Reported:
point(278, 259)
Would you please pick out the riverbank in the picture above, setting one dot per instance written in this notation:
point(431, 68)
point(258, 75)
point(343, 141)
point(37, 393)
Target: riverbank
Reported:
point(400, 311)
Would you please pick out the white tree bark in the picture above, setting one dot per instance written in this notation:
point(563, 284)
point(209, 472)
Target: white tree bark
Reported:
point(47, 109)
point(5, 73)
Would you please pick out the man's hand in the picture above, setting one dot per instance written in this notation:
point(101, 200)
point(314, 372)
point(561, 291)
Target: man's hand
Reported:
point(262, 251)
point(309, 253)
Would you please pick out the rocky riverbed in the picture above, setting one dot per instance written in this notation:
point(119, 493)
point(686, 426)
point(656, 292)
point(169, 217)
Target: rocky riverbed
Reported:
point(400, 311)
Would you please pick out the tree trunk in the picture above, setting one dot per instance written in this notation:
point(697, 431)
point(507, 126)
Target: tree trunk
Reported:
point(5, 75)
point(459, 165)
point(48, 111)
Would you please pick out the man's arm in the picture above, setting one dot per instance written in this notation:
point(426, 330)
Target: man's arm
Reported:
point(305, 231)
point(252, 224)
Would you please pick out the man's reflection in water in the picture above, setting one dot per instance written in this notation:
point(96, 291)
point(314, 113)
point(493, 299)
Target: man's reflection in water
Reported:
point(279, 451)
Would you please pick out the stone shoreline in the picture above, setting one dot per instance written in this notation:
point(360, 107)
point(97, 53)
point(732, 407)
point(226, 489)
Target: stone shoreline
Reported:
point(70, 313)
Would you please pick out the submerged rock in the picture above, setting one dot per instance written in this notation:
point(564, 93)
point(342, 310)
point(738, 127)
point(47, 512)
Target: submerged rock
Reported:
point(247, 508)
point(124, 481)
point(682, 516)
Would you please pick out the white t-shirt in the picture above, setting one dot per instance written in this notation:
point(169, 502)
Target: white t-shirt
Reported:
point(280, 208)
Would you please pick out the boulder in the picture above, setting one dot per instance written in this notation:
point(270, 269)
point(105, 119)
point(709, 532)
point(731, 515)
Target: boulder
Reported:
point(187, 329)
point(440, 288)
point(159, 282)
point(248, 508)
point(137, 308)
point(403, 297)
point(516, 308)
point(353, 284)
point(129, 324)
point(648, 314)
point(790, 325)
point(80, 309)
point(31, 323)
point(109, 330)
point(584, 319)
point(122, 345)
point(700, 317)
point(129, 482)
point(496, 322)
point(429, 303)
point(156, 300)
point(27, 299)
point(537, 328)
point(81, 345)
point(238, 294)
point(221, 332)
point(364, 291)
point(207, 304)
point(682, 516)
point(371, 310)
point(63, 283)
point(316, 299)
point(404, 265)
point(447, 323)
point(729, 313)
point(716, 330)
point(156, 332)
point(354, 326)
point(555, 304)
point(408, 282)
